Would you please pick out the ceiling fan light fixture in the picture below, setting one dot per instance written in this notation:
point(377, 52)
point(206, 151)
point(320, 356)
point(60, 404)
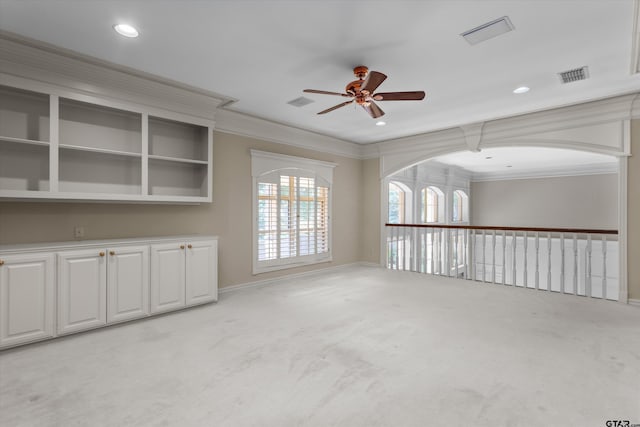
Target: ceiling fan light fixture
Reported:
point(381, 123)
point(126, 30)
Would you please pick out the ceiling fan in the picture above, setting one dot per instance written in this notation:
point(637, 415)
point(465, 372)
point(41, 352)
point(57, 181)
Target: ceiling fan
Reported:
point(361, 91)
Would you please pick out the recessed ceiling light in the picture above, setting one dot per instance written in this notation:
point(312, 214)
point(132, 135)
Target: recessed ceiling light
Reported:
point(488, 157)
point(126, 30)
point(509, 166)
point(521, 89)
point(381, 123)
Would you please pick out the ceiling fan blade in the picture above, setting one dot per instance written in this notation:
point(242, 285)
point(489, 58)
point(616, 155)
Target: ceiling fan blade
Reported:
point(373, 80)
point(324, 92)
point(373, 110)
point(335, 107)
point(399, 96)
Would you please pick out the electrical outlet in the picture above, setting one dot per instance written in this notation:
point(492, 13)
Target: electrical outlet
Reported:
point(78, 232)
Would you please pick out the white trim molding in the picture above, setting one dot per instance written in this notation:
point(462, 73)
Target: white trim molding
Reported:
point(635, 302)
point(595, 169)
point(45, 64)
point(253, 127)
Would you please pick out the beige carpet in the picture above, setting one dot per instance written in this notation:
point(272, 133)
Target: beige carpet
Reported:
point(356, 347)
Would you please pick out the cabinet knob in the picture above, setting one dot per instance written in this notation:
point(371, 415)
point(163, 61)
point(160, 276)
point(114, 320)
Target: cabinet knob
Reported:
point(1, 262)
point(112, 253)
point(101, 254)
point(189, 246)
point(181, 246)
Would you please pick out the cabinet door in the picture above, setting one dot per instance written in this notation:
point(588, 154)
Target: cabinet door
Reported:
point(167, 277)
point(26, 298)
point(82, 290)
point(128, 283)
point(202, 272)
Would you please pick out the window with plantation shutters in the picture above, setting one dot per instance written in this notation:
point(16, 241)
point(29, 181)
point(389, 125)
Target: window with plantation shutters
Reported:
point(291, 211)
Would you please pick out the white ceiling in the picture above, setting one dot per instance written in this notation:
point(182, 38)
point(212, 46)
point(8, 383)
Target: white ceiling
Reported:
point(264, 53)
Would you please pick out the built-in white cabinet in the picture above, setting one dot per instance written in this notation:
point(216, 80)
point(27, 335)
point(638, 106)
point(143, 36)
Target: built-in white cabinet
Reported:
point(167, 277)
point(82, 290)
point(64, 148)
point(127, 283)
point(201, 272)
point(26, 298)
point(63, 288)
point(183, 274)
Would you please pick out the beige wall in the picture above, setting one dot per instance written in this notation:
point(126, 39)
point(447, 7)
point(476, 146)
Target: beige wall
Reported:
point(633, 213)
point(229, 216)
point(577, 201)
point(370, 217)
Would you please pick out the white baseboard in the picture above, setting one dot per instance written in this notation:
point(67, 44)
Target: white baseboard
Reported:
point(634, 302)
point(319, 271)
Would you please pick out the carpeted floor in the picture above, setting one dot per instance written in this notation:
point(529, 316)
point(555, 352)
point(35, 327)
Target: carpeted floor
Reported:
point(358, 346)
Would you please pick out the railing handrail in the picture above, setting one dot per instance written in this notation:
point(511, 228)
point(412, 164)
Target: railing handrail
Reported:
point(505, 228)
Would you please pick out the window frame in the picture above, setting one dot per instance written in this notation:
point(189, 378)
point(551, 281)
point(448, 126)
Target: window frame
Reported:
point(439, 208)
point(264, 164)
point(465, 204)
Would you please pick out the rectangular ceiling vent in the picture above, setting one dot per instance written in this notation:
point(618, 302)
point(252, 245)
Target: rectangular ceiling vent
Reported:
point(488, 31)
point(300, 102)
point(574, 75)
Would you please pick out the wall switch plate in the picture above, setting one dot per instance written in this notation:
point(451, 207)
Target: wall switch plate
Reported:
point(78, 232)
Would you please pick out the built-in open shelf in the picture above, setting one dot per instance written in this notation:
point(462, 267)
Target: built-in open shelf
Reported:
point(64, 148)
point(183, 141)
point(95, 126)
point(170, 178)
point(24, 114)
point(24, 167)
point(99, 172)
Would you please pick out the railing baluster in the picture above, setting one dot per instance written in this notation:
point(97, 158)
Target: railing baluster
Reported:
point(562, 263)
point(439, 252)
point(604, 266)
point(537, 276)
point(513, 261)
point(575, 263)
point(432, 252)
point(474, 275)
point(504, 257)
point(493, 257)
point(484, 256)
point(466, 253)
point(455, 248)
point(549, 262)
point(525, 260)
point(588, 279)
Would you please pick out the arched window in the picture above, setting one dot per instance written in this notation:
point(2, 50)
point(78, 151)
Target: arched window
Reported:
point(460, 211)
point(431, 201)
point(292, 206)
point(398, 197)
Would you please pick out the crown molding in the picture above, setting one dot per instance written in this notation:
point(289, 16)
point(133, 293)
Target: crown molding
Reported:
point(44, 63)
point(580, 170)
point(253, 127)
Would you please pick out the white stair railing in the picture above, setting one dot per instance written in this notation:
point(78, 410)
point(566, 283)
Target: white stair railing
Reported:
point(550, 259)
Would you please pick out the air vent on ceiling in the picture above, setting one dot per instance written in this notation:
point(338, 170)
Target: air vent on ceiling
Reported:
point(489, 30)
point(300, 102)
point(574, 75)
